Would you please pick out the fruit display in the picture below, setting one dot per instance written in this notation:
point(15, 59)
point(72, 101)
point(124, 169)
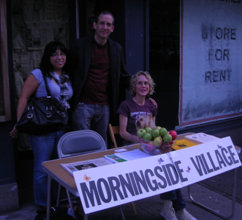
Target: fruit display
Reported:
point(153, 140)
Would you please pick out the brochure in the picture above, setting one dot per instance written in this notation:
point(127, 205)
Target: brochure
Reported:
point(182, 143)
point(82, 165)
point(114, 158)
point(202, 137)
point(125, 156)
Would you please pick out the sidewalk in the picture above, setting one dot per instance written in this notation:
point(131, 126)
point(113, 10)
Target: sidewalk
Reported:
point(149, 208)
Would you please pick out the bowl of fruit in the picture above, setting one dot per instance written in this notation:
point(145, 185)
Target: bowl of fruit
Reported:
point(156, 140)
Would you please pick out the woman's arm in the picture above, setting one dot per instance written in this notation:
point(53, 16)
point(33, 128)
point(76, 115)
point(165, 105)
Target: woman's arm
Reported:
point(123, 121)
point(152, 123)
point(29, 87)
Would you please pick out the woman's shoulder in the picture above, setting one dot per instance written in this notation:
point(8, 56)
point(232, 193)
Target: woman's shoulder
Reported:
point(127, 102)
point(125, 107)
point(37, 73)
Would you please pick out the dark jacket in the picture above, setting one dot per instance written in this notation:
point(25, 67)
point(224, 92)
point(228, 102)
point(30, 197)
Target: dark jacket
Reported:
point(80, 62)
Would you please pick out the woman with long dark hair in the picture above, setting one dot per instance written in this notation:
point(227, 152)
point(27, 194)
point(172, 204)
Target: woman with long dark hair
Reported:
point(53, 67)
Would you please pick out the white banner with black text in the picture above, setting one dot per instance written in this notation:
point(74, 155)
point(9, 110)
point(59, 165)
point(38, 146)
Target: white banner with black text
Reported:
point(116, 184)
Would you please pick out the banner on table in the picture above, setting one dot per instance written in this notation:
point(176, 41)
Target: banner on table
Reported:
point(112, 185)
point(211, 67)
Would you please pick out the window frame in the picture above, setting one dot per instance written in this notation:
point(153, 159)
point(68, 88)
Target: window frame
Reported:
point(4, 68)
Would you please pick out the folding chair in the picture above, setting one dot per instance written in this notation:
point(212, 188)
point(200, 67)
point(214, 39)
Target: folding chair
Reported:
point(80, 142)
point(114, 130)
point(76, 143)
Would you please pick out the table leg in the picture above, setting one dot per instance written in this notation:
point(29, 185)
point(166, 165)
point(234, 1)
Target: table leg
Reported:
point(48, 199)
point(70, 204)
point(122, 213)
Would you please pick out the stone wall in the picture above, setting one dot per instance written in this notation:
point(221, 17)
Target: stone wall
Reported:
point(34, 24)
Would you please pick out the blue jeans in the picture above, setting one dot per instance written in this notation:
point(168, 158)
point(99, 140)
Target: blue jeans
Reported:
point(44, 148)
point(176, 197)
point(91, 116)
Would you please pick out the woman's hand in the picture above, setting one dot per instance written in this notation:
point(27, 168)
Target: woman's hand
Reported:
point(14, 132)
point(166, 147)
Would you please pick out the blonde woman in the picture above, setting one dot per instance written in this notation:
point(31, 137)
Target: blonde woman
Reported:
point(140, 112)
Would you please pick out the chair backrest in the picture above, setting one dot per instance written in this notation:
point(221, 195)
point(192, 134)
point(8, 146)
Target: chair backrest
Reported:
point(113, 130)
point(80, 142)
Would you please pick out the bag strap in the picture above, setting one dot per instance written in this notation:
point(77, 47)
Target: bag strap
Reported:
point(46, 85)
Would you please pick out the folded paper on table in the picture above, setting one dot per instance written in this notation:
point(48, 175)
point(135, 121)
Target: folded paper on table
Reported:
point(82, 165)
point(202, 137)
point(182, 143)
point(125, 156)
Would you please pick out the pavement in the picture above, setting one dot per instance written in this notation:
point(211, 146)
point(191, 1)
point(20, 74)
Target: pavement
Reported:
point(149, 208)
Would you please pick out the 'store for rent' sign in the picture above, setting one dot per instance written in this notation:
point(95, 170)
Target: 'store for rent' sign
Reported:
point(108, 186)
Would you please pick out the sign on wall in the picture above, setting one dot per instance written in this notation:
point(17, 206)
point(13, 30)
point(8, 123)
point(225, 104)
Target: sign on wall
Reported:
point(112, 185)
point(211, 55)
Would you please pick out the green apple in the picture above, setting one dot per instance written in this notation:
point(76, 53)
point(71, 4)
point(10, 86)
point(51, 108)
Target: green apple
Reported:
point(141, 132)
point(163, 132)
point(148, 129)
point(157, 141)
point(167, 138)
point(155, 132)
point(147, 136)
point(158, 127)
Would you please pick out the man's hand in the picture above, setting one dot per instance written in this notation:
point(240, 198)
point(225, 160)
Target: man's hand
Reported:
point(153, 102)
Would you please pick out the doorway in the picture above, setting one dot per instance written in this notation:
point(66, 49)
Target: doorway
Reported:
point(164, 59)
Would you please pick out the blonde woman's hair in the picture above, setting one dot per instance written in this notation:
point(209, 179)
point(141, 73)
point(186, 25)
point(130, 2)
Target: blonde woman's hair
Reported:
point(133, 82)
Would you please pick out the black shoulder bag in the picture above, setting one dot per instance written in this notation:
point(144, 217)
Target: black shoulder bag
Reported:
point(42, 115)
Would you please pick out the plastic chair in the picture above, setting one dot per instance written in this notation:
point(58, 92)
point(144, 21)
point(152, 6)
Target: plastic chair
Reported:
point(80, 142)
point(76, 143)
point(114, 130)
